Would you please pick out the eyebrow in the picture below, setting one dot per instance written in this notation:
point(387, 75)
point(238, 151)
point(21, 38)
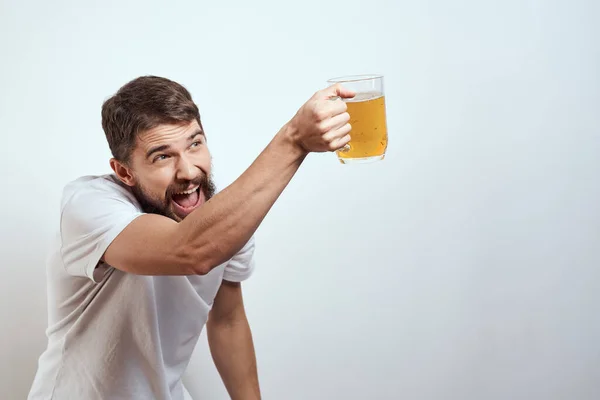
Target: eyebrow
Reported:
point(165, 147)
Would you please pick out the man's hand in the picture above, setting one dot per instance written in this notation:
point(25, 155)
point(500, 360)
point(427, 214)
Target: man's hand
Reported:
point(321, 124)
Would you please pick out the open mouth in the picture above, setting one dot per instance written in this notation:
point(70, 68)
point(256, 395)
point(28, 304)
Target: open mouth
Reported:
point(185, 202)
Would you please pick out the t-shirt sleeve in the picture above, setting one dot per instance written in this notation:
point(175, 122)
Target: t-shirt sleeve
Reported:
point(91, 218)
point(241, 266)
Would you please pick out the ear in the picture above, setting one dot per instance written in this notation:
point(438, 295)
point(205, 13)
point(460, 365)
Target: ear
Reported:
point(123, 172)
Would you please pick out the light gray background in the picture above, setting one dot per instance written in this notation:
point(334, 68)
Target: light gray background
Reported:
point(464, 266)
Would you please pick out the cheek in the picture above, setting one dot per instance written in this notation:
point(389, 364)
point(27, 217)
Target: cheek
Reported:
point(204, 160)
point(157, 182)
point(152, 176)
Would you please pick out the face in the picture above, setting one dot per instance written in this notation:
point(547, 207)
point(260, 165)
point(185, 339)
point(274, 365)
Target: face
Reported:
point(170, 170)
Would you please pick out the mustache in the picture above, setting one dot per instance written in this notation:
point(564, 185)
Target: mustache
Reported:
point(201, 181)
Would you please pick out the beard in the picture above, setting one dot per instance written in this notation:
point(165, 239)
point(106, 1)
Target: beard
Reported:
point(152, 204)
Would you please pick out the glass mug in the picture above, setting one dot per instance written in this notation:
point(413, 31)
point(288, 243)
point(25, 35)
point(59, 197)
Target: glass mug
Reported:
point(369, 137)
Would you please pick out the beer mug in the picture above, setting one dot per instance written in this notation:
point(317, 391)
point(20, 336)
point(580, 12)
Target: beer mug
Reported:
point(369, 137)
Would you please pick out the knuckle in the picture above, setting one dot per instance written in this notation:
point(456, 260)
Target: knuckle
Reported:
point(322, 127)
point(320, 114)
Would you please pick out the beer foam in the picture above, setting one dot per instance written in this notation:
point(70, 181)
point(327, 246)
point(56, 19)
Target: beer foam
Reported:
point(364, 96)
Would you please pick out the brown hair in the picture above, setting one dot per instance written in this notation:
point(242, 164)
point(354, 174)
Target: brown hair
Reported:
point(143, 104)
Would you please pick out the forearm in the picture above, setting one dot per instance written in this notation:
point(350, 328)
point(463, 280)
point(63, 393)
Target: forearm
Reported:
point(216, 231)
point(232, 350)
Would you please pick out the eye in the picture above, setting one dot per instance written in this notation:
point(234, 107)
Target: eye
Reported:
point(160, 157)
point(196, 143)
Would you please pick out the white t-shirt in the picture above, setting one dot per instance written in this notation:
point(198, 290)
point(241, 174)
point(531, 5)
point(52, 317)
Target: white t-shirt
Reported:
point(114, 335)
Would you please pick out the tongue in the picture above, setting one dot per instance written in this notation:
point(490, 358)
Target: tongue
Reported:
point(186, 200)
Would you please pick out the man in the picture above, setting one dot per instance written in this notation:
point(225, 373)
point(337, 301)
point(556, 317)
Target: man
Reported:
point(149, 254)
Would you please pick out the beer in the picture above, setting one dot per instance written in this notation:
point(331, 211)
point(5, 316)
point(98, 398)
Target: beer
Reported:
point(369, 136)
point(369, 131)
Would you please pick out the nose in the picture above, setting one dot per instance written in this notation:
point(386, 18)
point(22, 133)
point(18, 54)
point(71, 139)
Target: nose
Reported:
point(186, 170)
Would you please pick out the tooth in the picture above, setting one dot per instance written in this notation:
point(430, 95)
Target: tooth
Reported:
point(188, 192)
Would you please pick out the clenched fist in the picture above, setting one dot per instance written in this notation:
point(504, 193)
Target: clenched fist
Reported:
point(321, 124)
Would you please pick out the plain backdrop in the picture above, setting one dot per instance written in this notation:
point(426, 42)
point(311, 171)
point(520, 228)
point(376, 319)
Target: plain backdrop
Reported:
point(464, 266)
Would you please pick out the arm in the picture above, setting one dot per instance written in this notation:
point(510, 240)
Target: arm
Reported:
point(213, 233)
point(230, 342)
point(210, 235)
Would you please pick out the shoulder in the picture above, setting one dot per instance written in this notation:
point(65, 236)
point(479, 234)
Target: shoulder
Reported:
point(91, 191)
point(94, 210)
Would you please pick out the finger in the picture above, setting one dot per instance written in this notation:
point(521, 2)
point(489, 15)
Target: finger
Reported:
point(339, 90)
point(335, 122)
point(330, 108)
point(340, 143)
point(336, 134)
point(344, 130)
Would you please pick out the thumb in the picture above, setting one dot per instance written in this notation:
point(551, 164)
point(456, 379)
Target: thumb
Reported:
point(338, 90)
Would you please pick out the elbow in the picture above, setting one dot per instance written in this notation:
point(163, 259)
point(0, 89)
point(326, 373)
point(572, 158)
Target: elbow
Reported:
point(199, 261)
point(195, 264)
point(201, 254)
point(202, 269)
